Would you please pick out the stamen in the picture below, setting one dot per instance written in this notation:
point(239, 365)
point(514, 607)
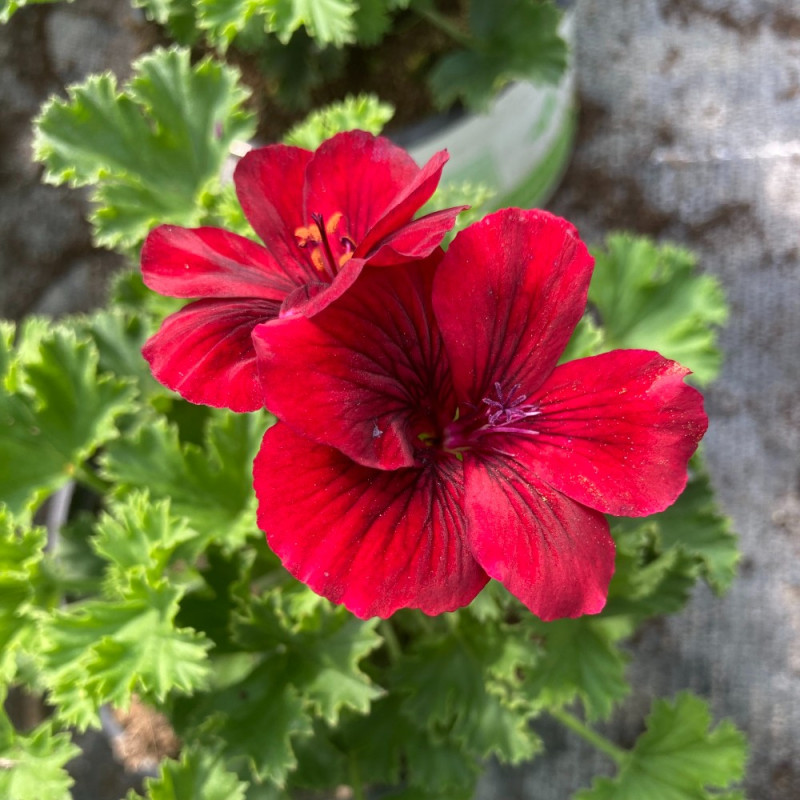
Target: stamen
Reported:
point(507, 409)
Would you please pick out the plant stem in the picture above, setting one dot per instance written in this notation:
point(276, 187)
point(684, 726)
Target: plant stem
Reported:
point(444, 25)
point(355, 780)
point(391, 640)
point(84, 475)
point(600, 742)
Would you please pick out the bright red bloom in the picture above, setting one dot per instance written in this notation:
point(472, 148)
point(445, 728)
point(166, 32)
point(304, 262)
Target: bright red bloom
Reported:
point(433, 442)
point(321, 216)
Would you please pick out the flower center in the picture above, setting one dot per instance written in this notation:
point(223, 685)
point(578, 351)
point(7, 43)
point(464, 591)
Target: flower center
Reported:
point(330, 248)
point(504, 412)
point(508, 408)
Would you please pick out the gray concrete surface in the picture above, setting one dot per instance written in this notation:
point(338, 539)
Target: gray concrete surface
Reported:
point(691, 133)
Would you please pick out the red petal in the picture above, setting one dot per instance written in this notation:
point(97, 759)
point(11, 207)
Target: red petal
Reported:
point(375, 541)
point(555, 555)
point(310, 299)
point(405, 204)
point(373, 370)
point(270, 184)
point(359, 176)
point(417, 239)
point(616, 431)
point(205, 352)
point(209, 262)
point(524, 277)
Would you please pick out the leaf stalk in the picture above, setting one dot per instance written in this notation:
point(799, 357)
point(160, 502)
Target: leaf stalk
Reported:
point(584, 731)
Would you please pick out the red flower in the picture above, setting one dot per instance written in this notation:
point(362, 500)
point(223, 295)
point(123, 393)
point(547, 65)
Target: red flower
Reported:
point(322, 216)
point(433, 442)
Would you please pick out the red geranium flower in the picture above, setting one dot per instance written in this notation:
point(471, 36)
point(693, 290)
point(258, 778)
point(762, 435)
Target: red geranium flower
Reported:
point(321, 216)
point(433, 442)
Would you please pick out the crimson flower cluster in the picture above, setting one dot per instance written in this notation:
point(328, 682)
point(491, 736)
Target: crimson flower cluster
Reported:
point(428, 438)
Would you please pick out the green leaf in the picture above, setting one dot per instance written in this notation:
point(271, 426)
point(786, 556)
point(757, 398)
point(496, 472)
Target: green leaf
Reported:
point(695, 524)
point(318, 646)
point(508, 40)
point(307, 670)
point(20, 556)
point(649, 297)
point(200, 775)
point(364, 112)
point(8, 7)
point(150, 149)
point(62, 412)
point(223, 20)
point(372, 19)
point(677, 757)
point(587, 340)
point(465, 684)
point(693, 527)
point(138, 538)
point(263, 702)
point(580, 659)
point(648, 579)
point(210, 486)
point(119, 335)
point(103, 650)
point(178, 16)
point(33, 763)
point(326, 21)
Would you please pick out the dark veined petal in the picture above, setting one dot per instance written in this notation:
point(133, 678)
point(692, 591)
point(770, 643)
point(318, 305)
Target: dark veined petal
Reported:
point(270, 185)
point(417, 239)
point(210, 262)
point(373, 540)
point(359, 176)
point(507, 296)
point(367, 374)
point(402, 208)
point(310, 299)
point(554, 554)
point(615, 432)
point(205, 352)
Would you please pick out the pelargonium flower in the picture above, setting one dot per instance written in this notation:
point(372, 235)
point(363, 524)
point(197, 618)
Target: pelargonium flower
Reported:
point(433, 442)
point(321, 217)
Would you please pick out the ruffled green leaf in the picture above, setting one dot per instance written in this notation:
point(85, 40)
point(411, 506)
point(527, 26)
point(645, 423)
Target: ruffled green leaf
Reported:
point(119, 335)
point(648, 579)
point(211, 486)
point(32, 764)
point(309, 669)
point(21, 552)
point(695, 525)
point(103, 650)
point(587, 340)
point(319, 647)
point(364, 112)
point(60, 413)
point(508, 40)
point(678, 757)
point(580, 660)
point(690, 538)
point(179, 16)
point(138, 538)
point(326, 21)
point(466, 683)
point(199, 775)
point(650, 297)
point(150, 149)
